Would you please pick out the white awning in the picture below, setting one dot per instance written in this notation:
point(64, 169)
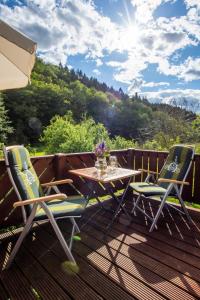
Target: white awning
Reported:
point(17, 58)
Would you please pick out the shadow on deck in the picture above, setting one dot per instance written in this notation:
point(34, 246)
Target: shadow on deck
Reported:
point(130, 263)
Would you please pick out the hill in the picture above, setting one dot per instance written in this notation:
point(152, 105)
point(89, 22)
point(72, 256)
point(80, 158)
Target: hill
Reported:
point(56, 90)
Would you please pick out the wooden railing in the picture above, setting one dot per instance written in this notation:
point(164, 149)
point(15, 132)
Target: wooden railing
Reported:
point(56, 166)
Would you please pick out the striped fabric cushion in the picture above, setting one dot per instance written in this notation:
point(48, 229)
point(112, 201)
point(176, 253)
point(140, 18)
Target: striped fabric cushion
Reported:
point(23, 173)
point(72, 206)
point(177, 163)
point(147, 189)
point(175, 167)
point(29, 187)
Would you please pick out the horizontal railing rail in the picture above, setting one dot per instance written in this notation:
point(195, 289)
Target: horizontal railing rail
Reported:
point(57, 166)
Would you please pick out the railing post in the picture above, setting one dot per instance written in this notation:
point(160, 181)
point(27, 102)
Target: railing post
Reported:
point(130, 161)
point(58, 166)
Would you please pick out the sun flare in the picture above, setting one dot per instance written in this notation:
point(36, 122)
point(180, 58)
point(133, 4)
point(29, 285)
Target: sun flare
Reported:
point(133, 31)
point(131, 34)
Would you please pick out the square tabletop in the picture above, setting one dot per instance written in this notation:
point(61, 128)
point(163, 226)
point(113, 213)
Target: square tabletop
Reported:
point(110, 175)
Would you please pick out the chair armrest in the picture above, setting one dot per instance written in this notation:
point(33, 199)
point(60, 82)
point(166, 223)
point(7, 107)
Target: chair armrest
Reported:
point(40, 199)
point(148, 171)
point(173, 181)
point(58, 182)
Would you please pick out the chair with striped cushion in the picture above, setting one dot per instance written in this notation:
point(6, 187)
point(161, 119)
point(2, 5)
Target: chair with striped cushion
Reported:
point(35, 204)
point(170, 182)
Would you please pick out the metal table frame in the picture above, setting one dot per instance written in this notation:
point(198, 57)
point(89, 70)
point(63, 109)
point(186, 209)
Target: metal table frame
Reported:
point(106, 183)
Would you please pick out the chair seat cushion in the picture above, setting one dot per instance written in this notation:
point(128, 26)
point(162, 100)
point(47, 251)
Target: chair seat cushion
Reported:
point(72, 206)
point(147, 189)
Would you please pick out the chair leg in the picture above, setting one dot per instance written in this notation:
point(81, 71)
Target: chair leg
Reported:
point(161, 207)
point(75, 225)
point(183, 205)
point(136, 203)
point(75, 229)
point(58, 232)
point(158, 213)
point(25, 231)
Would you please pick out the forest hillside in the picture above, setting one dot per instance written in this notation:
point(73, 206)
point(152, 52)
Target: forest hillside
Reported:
point(28, 115)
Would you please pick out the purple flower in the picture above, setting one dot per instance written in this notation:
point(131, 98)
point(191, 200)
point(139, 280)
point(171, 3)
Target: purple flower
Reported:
point(101, 150)
point(102, 145)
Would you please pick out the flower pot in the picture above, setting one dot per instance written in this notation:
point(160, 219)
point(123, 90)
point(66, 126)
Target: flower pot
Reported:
point(101, 165)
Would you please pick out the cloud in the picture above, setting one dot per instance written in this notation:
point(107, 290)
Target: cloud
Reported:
point(155, 84)
point(99, 62)
point(156, 42)
point(188, 71)
point(186, 98)
point(146, 8)
point(138, 84)
point(173, 37)
point(96, 72)
point(192, 3)
point(65, 27)
point(70, 28)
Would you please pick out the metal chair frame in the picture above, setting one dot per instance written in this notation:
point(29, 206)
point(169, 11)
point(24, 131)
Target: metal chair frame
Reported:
point(163, 199)
point(29, 220)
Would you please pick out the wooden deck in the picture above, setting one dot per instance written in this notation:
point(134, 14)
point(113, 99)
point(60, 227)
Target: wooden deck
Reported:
point(130, 264)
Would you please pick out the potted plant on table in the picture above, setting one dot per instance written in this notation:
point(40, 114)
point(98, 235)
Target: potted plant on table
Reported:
point(102, 152)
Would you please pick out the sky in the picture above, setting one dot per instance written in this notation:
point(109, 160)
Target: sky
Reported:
point(151, 47)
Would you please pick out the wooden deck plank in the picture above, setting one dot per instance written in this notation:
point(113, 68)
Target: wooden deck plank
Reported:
point(191, 252)
point(3, 293)
point(135, 287)
point(138, 241)
point(99, 282)
point(163, 242)
point(124, 246)
point(175, 227)
point(40, 279)
point(102, 284)
point(95, 234)
point(170, 223)
point(15, 283)
point(125, 280)
point(170, 220)
point(149, 278)
point(190, 245)
point(130, 264)
point(71, 283)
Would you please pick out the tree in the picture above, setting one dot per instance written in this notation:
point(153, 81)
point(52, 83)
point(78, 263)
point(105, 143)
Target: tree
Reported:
point(40, 101)
point(64, 135)
point(129, 118)
point(5, 127)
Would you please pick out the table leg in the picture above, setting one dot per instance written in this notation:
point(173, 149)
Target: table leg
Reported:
point(93, 194)
point(120, 205)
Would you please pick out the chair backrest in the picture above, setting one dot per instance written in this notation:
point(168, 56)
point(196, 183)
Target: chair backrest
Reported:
point(177, 164)
point(22, 174)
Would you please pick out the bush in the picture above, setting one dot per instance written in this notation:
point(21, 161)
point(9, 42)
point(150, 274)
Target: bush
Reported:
point(64, 135)
point(161, 141)
point(121, 143)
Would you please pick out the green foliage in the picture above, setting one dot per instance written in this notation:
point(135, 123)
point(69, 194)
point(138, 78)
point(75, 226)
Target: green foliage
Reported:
point(129, 118)
point(5, 127)
point(32, 108)
point(161, 141)
point(64, 135)
point(56, 90)
point(119, 142)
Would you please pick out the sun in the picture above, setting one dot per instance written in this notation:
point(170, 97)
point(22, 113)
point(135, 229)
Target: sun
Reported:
point(133, 31)
point(131, 34)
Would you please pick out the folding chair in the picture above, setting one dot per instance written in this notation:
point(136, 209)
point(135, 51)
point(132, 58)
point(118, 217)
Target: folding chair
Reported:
point(170, 182)
point(35, 204)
